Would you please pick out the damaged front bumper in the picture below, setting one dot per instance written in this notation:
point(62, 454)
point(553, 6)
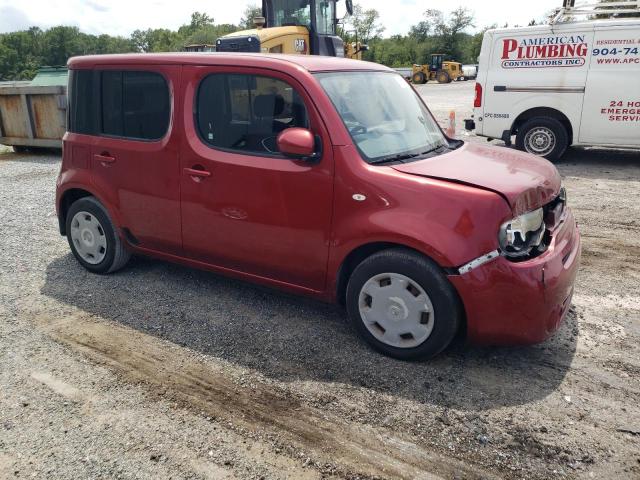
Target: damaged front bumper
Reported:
point(509, 303)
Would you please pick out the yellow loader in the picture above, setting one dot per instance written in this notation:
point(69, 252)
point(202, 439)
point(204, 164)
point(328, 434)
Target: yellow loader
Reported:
point(440, 70)
point(306, 27)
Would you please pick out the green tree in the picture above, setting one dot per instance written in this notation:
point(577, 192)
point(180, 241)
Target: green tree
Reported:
point(364, 23)
point(445, 33)
point(199, 20)
point(250, 13)
point(209, 34)
point(156, 40)
point(60, 43)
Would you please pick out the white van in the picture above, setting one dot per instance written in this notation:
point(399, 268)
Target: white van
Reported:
point(567, 83)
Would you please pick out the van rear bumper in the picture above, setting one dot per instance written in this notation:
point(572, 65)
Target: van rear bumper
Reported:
point(510, 303)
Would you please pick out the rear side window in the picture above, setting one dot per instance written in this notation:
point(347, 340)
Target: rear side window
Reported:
point(129, 104)
point(134, 104)
point(82, 109)
point(247, 112)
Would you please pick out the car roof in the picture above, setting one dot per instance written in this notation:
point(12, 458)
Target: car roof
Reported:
point(311, 63)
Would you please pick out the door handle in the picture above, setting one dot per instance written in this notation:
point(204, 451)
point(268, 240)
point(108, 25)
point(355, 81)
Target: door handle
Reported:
point(104, 158)
point(196, 173)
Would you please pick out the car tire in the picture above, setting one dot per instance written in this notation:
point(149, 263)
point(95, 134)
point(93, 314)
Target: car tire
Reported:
point(386, 300)
point(543, 136)
point(93, 238)
point(20, 149)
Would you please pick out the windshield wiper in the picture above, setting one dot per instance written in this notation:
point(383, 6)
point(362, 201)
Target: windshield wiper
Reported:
point(405, 156)
point(395, 158)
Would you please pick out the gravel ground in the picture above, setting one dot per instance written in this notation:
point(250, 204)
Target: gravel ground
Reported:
point(160, 371)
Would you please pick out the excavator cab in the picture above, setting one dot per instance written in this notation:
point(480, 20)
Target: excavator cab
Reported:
point(291, 26)
point(436, 61)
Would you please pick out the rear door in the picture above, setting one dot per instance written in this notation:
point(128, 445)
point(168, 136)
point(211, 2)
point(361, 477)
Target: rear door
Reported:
point(134, 159)
point(611, 110)
point(245, 207)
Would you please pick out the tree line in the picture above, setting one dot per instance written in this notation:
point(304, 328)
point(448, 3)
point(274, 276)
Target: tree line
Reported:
point(23, 52)
point(436, 32)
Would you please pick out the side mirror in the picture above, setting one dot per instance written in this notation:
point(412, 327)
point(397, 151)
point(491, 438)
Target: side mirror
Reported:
point(349, 5)
point(298, 143)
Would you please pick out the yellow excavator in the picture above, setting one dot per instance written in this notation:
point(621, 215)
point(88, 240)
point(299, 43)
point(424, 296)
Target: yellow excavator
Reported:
point(439, 69)
point(306, 27)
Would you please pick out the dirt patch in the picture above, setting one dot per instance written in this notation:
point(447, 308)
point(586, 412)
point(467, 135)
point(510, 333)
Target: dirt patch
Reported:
point(349, 450)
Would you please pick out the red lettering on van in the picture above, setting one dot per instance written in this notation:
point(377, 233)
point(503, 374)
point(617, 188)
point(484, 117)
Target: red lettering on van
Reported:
point(508, 46)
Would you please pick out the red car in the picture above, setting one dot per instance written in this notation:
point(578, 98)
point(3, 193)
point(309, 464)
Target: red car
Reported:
point(322, 176)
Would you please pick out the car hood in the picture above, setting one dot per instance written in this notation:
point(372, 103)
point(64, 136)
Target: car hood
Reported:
point(525, 181)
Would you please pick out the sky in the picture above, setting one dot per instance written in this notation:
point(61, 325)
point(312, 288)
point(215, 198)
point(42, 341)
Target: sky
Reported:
point(121, 17)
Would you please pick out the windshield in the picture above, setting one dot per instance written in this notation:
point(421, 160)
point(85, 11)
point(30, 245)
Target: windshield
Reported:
point(289, 12)
point(386, 119)
point(325, 24)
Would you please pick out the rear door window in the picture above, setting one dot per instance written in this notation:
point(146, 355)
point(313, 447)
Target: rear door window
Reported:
point(82, 108)
point(247, 112)
point(134, 104)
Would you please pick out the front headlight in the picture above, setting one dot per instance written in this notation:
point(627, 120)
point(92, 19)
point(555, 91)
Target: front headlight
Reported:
point(519, 236)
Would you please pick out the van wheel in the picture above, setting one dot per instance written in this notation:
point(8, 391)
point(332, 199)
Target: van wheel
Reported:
point(543, 136)
point(93, 238)
point(403, 305)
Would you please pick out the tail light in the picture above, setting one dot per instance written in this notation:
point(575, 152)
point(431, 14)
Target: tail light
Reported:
point(477, 102)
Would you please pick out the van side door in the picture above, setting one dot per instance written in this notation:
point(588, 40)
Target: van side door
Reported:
point(245, 207)
point(134, 158)
point(611, 109)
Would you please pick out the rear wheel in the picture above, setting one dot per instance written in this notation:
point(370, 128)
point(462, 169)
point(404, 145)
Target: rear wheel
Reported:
point(418, 78)
point(543, 136)
point(93, 238)
point(443, 77)
point(403, 305)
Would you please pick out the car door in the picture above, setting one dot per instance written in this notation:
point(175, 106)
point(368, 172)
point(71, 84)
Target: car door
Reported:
point(245, 207)
point(134, 160)
point(611, 109)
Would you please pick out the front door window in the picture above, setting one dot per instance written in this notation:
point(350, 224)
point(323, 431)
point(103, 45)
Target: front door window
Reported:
point(247, 112)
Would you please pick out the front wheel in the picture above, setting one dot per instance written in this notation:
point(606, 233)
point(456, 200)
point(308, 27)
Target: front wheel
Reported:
point(418, 78)
point(443, 77)
point(93, 238)
point(403, 305)
point(543, 136)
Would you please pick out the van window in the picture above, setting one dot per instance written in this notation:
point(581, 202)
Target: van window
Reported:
point(247, 112)
point(81, 104)
point(134, 104)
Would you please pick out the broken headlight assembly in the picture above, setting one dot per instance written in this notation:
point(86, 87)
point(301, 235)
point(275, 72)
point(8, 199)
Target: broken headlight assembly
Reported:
point(523, 235)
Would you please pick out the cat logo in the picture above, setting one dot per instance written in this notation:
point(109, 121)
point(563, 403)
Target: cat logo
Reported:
point(300, 45)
